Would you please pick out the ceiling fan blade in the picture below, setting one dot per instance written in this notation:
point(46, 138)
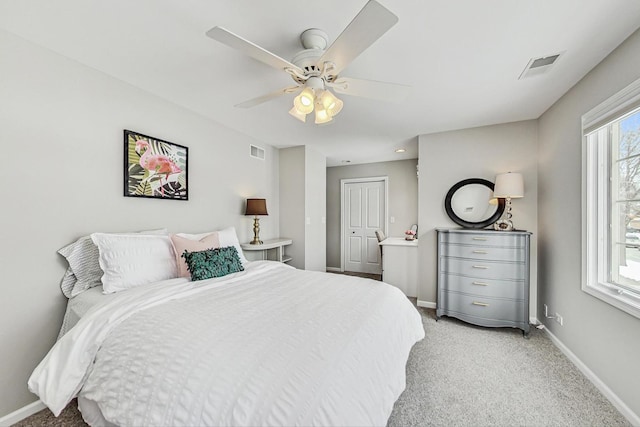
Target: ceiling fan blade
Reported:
point(268, 97)
point(251, 49)
point(368, 26)
point(371, 89)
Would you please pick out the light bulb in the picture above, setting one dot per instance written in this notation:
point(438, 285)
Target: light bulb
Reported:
point(322, 116)
point(330, 103)
point(304, 102)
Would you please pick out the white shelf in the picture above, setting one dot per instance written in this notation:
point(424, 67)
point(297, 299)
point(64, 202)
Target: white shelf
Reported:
point(270, 244)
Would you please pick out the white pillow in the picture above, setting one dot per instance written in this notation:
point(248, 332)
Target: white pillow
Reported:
point(130, 260)
point(226, 236)
point(84, 266)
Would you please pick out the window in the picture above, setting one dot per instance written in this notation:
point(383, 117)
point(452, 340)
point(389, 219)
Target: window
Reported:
point(611, 203)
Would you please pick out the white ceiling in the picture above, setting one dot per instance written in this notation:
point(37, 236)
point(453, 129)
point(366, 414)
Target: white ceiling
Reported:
point(462, 59)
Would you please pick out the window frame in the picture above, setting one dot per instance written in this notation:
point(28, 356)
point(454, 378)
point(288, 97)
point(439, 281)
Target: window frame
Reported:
point(596, 200)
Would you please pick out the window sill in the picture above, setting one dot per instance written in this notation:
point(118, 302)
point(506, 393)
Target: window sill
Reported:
point(624, 300)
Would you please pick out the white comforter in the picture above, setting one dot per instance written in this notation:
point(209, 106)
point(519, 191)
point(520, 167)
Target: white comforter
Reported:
point(269, 346)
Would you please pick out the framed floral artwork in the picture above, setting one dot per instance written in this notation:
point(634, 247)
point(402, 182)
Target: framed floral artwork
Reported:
point(154, 168)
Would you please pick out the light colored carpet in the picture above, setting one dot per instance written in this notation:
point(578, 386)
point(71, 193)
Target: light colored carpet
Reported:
point(463, 375)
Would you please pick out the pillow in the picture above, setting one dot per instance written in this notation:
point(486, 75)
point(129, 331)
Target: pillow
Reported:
point(68, 282)
point(130, 260)
point(227, 237)
point(181, 244)
point(213, 262)
point(84, 270)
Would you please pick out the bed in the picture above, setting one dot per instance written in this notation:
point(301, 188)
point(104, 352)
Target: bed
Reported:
point(269, 345)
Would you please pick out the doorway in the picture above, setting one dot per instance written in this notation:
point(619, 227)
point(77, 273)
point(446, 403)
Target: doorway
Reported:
point(363, 211)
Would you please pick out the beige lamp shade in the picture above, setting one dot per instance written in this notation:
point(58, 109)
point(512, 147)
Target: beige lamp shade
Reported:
point(508, 185)
point(256, 207)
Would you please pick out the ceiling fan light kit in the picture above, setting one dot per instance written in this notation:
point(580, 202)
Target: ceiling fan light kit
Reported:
point(315, 97)
point(315, 69)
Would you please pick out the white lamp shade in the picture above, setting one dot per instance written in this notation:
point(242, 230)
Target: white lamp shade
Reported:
point(509, 185)
point(297, 114)
point(304, 102)
point(330, 103)
point(322, 115)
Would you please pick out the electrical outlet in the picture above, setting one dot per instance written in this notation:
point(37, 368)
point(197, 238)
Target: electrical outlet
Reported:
point(559, 319)
point(392, 220)
point(546, 310)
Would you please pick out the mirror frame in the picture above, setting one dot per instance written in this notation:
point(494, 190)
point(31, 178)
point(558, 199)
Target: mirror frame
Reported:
point(467, 224)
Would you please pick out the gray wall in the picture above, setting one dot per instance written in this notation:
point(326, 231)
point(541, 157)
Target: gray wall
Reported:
point(292, 203)
point(316, 211)
point(606, 339)
point(484, 152)
point(403, 198)
point(62, 169)
point(303, 206)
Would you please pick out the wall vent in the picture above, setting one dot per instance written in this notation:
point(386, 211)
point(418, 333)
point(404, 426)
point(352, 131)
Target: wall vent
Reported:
point(257, 152)
point(537, 66)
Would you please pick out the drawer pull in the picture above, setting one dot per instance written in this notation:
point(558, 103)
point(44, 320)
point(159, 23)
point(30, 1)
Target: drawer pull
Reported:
point(480, 283)
point(480, 252)
point(483, 267)
point(479, 238)
point(481, 304)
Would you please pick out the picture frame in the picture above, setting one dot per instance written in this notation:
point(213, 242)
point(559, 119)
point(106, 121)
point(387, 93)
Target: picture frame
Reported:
point(155, 168)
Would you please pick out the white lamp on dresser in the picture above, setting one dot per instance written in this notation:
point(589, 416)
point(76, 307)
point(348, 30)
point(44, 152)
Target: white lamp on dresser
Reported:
point(508, 186)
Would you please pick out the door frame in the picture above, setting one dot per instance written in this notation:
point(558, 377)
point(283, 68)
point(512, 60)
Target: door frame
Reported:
point(385, 221)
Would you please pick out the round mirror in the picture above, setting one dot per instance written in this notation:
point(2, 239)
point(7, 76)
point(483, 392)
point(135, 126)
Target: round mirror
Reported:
point(470, 203)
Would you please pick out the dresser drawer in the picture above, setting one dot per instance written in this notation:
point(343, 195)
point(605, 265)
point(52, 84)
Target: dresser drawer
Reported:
point(484, 252)
point(484, 287)
point(482, 269)
point(485, 239)
point(482, 307)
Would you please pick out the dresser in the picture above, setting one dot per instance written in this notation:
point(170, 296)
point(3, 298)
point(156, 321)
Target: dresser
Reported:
point(483, 277)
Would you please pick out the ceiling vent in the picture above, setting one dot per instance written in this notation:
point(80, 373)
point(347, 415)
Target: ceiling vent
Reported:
point(537, 66)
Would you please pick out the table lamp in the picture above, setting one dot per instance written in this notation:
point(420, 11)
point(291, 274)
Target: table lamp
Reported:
point(508, 186)
point(256, 207)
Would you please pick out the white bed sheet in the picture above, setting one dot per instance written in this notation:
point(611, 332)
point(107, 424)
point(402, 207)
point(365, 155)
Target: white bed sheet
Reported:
point(269, 346)
point(79, 305)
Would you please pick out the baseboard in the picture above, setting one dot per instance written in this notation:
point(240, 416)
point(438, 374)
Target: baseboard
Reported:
point(334, 269)
point(22, 413)
point(426, 304)
point(631, 416)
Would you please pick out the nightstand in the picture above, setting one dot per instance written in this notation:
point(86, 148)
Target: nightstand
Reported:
point(272, 249)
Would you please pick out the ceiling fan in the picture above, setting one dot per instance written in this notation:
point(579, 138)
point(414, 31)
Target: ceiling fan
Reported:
point(316, 69)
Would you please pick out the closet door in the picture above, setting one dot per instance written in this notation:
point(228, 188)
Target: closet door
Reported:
point(363, 212)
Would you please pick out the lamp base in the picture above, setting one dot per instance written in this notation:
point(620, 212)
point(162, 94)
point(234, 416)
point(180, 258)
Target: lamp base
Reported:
point(505, 224)
point(256, 232)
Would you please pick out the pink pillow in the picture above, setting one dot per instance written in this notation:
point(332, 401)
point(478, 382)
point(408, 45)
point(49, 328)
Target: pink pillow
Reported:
point(180, 244)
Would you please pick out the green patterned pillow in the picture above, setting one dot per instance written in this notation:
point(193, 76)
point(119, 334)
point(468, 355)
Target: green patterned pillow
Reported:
point(210, 263)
